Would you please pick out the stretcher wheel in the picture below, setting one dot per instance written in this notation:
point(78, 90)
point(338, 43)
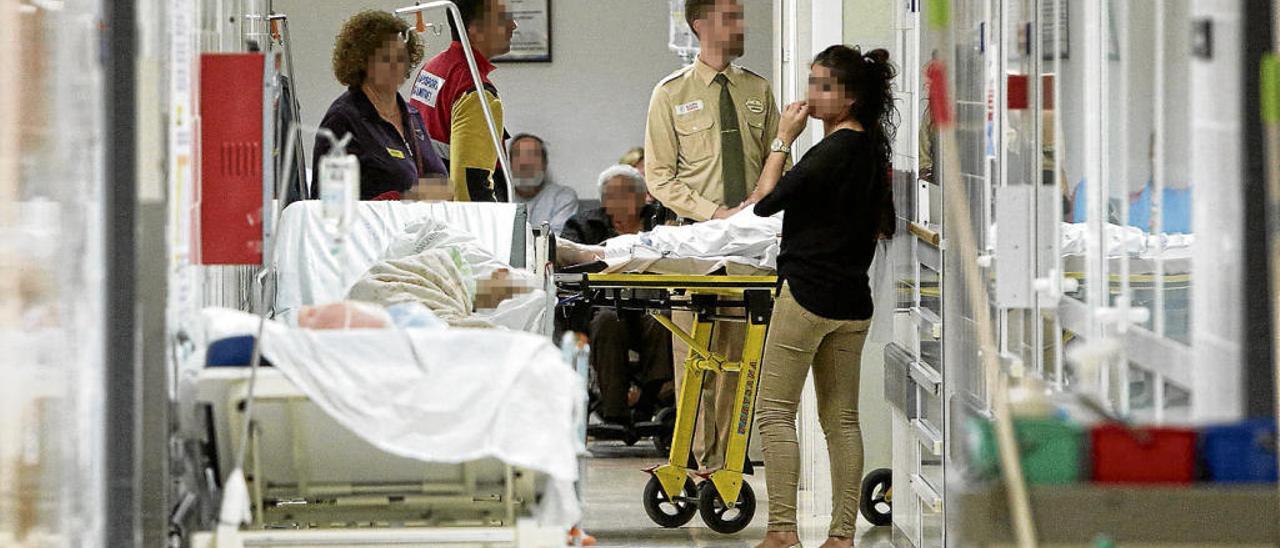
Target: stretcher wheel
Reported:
point(718, 516)
point(876, 502)
point(667, 420)
point(665, 512)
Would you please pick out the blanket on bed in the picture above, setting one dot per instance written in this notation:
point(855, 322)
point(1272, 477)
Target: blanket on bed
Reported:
point(437, 278)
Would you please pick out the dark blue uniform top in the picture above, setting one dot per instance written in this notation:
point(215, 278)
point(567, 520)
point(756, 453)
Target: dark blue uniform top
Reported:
point(387, 161)
point(834, 200)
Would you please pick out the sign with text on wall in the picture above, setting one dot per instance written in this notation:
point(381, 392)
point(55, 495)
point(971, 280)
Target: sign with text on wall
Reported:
point(531, 42)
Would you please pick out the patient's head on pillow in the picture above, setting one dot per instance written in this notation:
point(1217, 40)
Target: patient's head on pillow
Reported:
point(343, 315)
point(498, 287)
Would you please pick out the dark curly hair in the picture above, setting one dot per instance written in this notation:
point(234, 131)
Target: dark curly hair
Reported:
point(361, 36)
point(869, 78)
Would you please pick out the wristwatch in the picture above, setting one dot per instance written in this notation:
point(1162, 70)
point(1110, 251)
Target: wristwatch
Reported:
point(780, 146)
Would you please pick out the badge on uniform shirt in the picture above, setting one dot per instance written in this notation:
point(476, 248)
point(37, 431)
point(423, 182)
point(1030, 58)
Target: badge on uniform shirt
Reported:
point(399, 155)
point(756, 106)
point(689, 108)
point(427, 88)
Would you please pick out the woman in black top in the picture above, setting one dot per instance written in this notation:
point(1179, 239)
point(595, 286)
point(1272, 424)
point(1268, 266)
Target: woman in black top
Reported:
point(837, 201)
point(373, 56)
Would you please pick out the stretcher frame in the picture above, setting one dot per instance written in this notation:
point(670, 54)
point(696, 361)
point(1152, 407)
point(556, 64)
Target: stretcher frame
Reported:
point(704, 296)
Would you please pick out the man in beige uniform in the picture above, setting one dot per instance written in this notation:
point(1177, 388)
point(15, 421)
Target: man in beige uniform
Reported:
point(710, 127)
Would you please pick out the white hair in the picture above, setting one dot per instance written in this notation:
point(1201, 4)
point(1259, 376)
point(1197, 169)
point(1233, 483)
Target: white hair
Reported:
point(627, 172)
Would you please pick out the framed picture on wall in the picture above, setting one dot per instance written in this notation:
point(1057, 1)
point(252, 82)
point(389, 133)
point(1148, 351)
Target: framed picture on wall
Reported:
point(531, 42)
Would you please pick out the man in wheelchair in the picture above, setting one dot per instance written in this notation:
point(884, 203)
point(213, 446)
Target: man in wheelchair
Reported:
point(629, 391)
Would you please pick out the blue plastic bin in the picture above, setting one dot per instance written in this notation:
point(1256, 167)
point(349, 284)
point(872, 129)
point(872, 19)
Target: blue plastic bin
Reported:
point(1240, 453)
point(232, 352)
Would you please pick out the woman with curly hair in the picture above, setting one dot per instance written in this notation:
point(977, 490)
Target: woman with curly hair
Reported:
point(374, 54)
point(838, 202)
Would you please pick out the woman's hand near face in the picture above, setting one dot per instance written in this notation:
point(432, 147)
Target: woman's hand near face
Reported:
point(795, 117)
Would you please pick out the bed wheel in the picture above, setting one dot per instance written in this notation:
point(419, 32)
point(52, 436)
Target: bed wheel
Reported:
point(668, 513)
point(718, 516)
point(876, 502)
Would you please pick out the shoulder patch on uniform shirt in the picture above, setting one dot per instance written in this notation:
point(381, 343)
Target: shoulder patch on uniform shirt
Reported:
point(675, 75)
point(755, 106)
point(427, 88)
point(689, 108)
point(750, 72)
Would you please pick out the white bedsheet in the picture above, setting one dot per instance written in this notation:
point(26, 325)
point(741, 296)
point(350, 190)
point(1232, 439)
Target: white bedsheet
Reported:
point(447, 395)
point(1127, 240)
point(742, 244)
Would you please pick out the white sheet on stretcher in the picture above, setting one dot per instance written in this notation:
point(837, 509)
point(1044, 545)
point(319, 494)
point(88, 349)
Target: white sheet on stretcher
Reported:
point(742, 244)
point(446, 395)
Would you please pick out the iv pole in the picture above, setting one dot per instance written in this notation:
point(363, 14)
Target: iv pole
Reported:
point(475, 78)
point(279, 32)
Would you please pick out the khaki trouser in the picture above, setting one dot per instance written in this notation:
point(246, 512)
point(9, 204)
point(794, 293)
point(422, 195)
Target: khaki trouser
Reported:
point(798, 339)
point(715, 412)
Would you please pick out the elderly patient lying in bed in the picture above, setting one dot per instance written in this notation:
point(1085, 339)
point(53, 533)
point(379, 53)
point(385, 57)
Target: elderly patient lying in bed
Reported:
point(448, 272)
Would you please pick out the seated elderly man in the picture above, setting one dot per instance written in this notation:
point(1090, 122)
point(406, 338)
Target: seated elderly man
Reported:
point(546, 201)
point(620, 212)
point(614, 334)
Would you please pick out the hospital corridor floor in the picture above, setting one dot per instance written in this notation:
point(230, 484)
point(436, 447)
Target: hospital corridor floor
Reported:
point(614, 515)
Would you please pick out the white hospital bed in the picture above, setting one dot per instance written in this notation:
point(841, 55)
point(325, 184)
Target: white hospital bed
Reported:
point(312, 475)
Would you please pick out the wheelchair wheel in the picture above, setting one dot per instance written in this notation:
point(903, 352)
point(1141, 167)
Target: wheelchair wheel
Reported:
point(876, 502)
point(718, 516)
point(666, 512)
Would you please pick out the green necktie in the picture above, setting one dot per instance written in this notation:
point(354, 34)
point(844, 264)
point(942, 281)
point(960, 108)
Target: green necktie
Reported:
point(733, 166)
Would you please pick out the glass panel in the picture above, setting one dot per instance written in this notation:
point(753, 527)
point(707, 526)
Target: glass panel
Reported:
point(1067, 117)
point(1168, 196)
point(973, 63)
point(931, 291)
point(51, 294)
point(1124, 74)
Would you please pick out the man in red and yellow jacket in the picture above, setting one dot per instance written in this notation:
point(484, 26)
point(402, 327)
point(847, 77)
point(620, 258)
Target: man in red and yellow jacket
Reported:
point(446, 95)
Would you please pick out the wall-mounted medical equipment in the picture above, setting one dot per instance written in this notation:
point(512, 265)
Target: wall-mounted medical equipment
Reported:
point(232, 164)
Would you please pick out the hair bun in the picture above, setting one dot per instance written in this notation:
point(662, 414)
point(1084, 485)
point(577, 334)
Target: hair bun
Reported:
point(878, 55)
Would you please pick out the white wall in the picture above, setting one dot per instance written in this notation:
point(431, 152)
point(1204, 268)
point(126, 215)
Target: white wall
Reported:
point(870, 24)
point(589, 103)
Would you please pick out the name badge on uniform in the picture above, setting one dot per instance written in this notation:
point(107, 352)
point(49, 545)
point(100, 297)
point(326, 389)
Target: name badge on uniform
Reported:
point(427, 88)
point(395, 153)
point(689, 108)
point(756, 106)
